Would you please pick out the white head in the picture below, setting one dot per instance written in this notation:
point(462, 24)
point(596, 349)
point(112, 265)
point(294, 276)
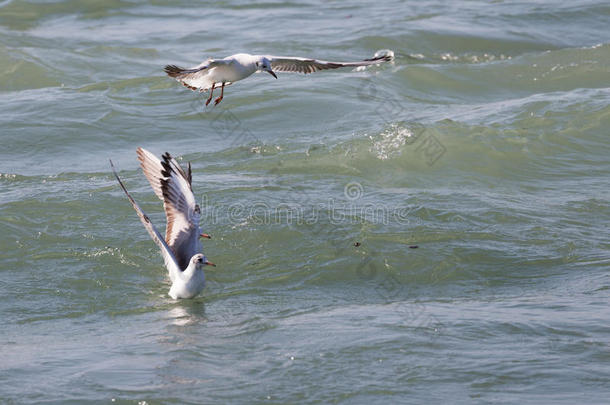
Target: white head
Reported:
point(199, 260)
point(263, 64)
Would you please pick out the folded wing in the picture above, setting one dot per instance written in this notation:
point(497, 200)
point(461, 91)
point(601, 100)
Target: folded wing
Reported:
point(195, 78)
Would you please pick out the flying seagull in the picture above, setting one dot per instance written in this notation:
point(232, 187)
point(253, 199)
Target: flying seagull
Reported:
point(181, 249)
point(223, 72)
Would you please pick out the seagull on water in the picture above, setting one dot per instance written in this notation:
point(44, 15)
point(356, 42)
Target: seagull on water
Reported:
point(213, 72)
point(181, 248)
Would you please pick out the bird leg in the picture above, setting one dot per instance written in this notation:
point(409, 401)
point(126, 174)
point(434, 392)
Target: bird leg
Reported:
point(222, 92)
point(211, 92)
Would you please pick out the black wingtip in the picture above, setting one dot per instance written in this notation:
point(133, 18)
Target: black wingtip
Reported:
point(114, 169)
point(173, 70)
point(167, 169)
point(121, 183)
point(384, 58)
point(189, 175)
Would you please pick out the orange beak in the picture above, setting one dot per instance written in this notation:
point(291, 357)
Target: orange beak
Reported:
point(205, 235)
point(210, 264)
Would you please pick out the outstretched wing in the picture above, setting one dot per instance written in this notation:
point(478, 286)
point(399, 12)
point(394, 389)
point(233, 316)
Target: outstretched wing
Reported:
point(306, 65)
point(166, 252)
point(173, 186)
point(195, 78)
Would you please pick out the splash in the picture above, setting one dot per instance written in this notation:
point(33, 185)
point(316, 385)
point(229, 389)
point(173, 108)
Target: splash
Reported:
point(389, 143)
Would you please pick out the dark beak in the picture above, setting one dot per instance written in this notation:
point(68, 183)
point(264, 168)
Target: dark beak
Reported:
point(271, 73)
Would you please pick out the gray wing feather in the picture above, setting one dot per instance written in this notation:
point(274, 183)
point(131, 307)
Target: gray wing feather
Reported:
point(166, 252)
point(305, 65)
point(172, 184)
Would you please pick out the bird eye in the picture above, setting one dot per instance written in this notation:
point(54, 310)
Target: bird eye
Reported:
point(200, 260)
